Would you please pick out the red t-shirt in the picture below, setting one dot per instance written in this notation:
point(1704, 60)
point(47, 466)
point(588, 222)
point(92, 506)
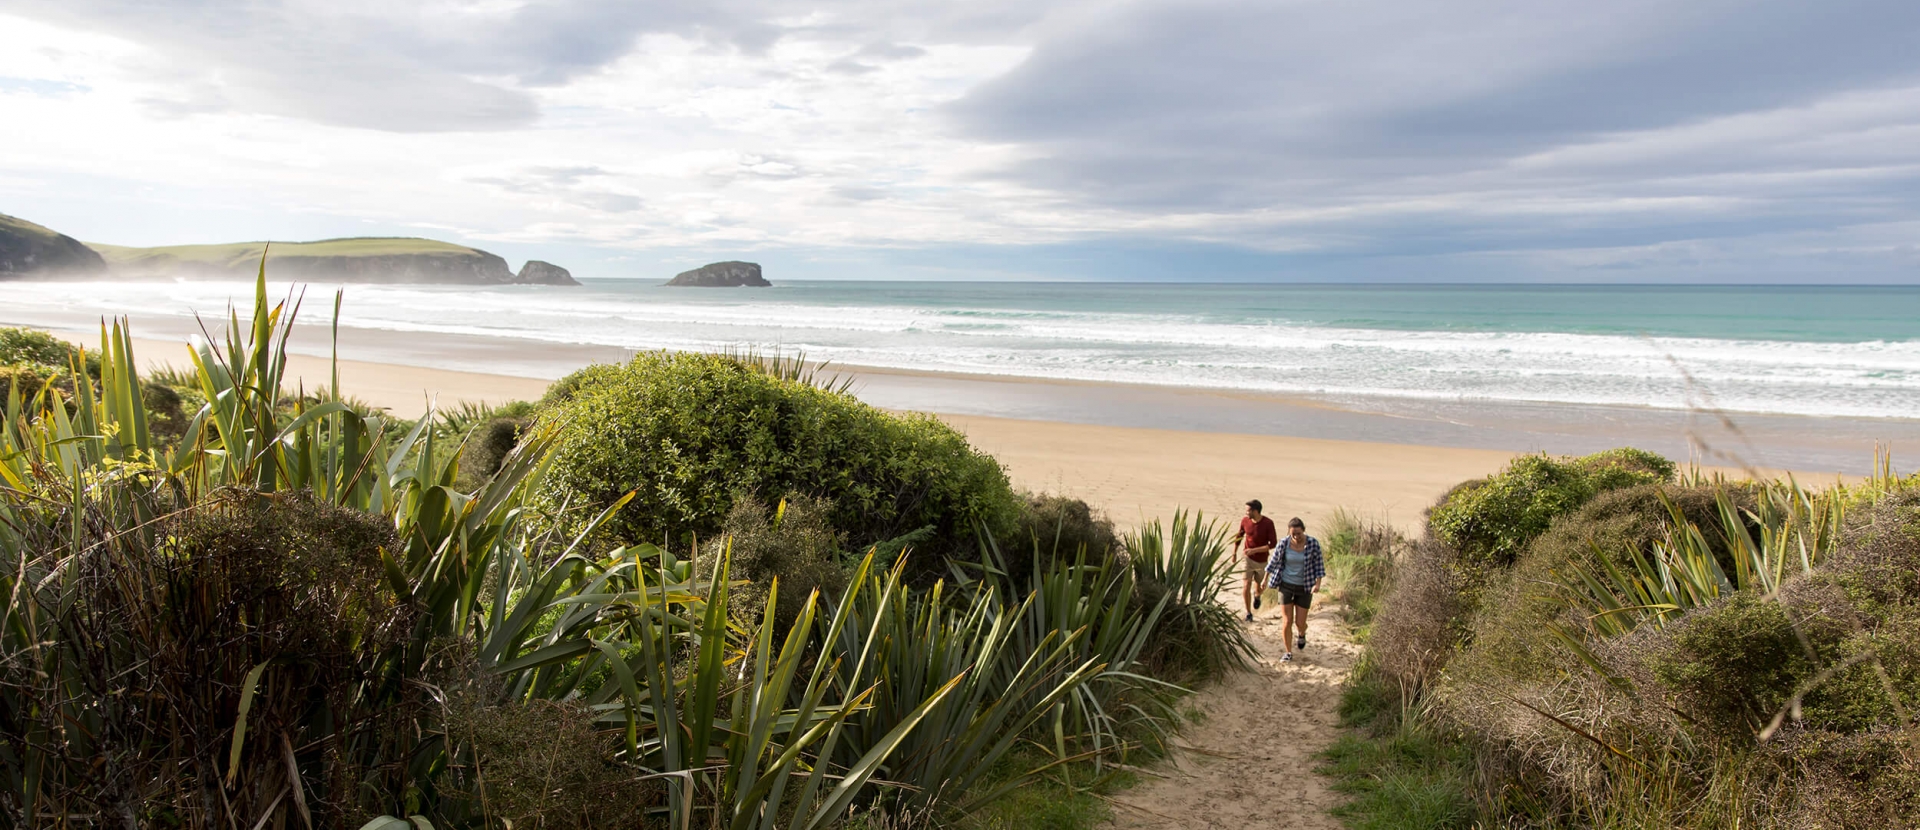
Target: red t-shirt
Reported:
point(1258, 534)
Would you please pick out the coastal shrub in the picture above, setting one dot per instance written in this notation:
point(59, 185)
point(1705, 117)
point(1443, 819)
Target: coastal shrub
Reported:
point(280, 589)
point(544, 763)
point(793, 541)
point(1491, 520)
point(1860, 781)
point(1733, 665)
point(26, 380)
point(1510, 641)
point(1423, 616)
point(688, 433)
point(167, 413)
point(562, 390)
point(486, 447)
point(20, 346)
point(1051, 528)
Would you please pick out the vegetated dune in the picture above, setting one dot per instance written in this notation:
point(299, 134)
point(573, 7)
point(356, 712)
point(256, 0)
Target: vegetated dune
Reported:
point(1610, 642)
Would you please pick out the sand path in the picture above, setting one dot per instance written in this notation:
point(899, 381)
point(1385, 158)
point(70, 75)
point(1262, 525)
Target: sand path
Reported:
point(1250, 763)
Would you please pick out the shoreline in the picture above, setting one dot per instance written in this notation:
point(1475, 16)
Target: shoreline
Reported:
point(402, 370)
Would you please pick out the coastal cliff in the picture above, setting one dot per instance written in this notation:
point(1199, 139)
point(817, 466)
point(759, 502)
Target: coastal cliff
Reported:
point(722, 275)
point(30, 249)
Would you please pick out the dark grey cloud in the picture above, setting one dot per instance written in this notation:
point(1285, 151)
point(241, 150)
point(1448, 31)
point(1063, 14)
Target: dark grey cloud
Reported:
point(1477, 122)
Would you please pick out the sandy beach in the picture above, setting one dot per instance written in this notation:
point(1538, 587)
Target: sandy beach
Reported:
point(1133, 473)
point(1335, 456)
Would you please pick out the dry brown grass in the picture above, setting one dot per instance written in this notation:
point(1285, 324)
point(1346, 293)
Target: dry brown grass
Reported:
point(1420, 623)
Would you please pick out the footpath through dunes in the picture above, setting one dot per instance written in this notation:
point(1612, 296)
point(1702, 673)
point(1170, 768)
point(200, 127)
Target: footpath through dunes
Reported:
point(1249, 763)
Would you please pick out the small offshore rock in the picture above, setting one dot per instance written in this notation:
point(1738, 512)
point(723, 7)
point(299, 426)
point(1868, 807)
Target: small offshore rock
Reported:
point(722, 275)
point(536, 272)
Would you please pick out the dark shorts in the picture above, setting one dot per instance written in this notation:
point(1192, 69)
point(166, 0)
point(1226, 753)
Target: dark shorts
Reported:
point(1291, 594)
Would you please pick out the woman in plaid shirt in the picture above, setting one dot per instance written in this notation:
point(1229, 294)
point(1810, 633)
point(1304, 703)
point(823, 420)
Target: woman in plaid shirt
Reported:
point(1296, 570)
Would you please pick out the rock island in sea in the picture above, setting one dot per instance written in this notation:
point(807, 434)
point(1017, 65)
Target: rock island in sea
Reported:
point(722, 275)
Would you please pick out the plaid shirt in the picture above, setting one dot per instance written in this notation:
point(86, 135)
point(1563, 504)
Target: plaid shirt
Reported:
point(1316, 565)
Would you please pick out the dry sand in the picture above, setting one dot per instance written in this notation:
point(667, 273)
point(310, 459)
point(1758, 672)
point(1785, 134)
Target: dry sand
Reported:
point(1142, 473)
point(1249, 764)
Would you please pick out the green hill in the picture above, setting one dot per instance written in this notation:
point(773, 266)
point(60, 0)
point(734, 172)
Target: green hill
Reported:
point(27, 248)
point(30, 249)
point(359, 259)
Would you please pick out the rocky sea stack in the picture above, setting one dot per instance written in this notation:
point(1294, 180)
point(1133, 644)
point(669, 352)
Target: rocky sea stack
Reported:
point(27, 248)
point(722, 275)
point(536, 272)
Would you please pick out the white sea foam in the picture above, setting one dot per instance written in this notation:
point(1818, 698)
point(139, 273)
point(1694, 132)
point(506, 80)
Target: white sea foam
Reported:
point(1871, 377)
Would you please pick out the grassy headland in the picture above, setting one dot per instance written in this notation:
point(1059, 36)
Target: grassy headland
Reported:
point(27, 248)
point(395, 259)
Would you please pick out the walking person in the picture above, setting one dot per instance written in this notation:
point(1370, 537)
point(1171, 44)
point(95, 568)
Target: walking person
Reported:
point(1258, 534)
point(1296, 572)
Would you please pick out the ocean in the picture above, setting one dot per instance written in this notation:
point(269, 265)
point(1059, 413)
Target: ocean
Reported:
point(1823, 351)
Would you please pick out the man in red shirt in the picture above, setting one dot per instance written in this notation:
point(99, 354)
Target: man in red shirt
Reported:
point(1258, 536)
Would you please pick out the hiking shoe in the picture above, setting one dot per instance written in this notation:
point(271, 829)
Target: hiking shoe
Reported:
point(1286, 658)
point(1256, 603)
point(1300, 642)
point(1249, 617)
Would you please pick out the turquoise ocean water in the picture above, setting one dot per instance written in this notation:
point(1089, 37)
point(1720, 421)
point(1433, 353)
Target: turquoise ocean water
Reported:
point(1848, 351)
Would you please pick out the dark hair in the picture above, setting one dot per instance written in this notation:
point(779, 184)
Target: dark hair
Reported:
point(1255, 504)
point(1295, 522)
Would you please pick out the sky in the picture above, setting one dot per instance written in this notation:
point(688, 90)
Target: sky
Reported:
point(1216, 140)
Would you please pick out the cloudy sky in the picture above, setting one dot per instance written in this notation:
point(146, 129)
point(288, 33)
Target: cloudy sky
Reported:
point(1543, 140)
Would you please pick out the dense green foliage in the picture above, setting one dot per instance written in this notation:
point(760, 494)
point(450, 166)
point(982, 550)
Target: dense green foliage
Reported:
point(688, 433)
point(792, 542)
point(1493, 519)
point(35, 348)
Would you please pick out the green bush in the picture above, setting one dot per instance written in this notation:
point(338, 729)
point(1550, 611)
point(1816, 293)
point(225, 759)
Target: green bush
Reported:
point(1733, 665)
point(562, 390)
point(26, 380)
point(488, 446)
point(793, 542)
point(1052, 528)
point(1490, 521)
point(38, 348)
point(1865, 781)
point(687, 433)
point(1510, 639)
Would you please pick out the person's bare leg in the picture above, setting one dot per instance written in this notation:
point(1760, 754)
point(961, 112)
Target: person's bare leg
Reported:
point(1286, 627)
point(1246, 593)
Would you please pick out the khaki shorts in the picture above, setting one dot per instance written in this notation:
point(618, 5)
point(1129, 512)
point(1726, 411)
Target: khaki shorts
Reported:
point(1253, 570)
